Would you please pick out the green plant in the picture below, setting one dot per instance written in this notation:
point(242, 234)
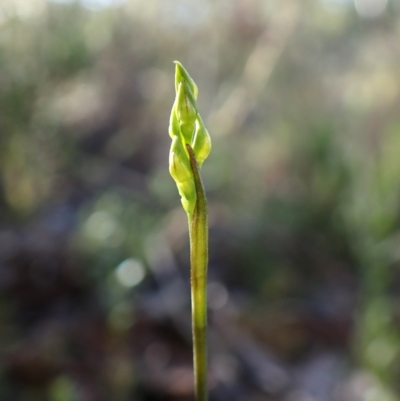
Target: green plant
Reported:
point(191, 145)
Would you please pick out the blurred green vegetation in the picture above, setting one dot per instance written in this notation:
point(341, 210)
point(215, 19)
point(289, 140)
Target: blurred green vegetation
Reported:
point(302, 102)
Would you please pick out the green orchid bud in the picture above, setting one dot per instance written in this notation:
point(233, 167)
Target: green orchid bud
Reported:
point(181, 172)
point(201, 142)
point(186, 111)
point(186, 128)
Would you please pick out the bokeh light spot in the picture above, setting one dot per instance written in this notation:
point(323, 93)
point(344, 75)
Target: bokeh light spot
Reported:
point(130, 272)
point(101, 225)
point(381, 353)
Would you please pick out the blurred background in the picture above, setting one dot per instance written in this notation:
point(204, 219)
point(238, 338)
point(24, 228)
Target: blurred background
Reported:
point(302, 101)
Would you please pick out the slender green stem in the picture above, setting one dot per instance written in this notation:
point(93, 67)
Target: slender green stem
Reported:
point(198, 230)
point(185, 126)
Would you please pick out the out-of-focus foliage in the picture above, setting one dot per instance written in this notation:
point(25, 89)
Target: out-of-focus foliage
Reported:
point(302, 100)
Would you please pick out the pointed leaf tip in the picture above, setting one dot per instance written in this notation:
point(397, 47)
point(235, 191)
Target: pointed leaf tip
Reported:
point(181, 75)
